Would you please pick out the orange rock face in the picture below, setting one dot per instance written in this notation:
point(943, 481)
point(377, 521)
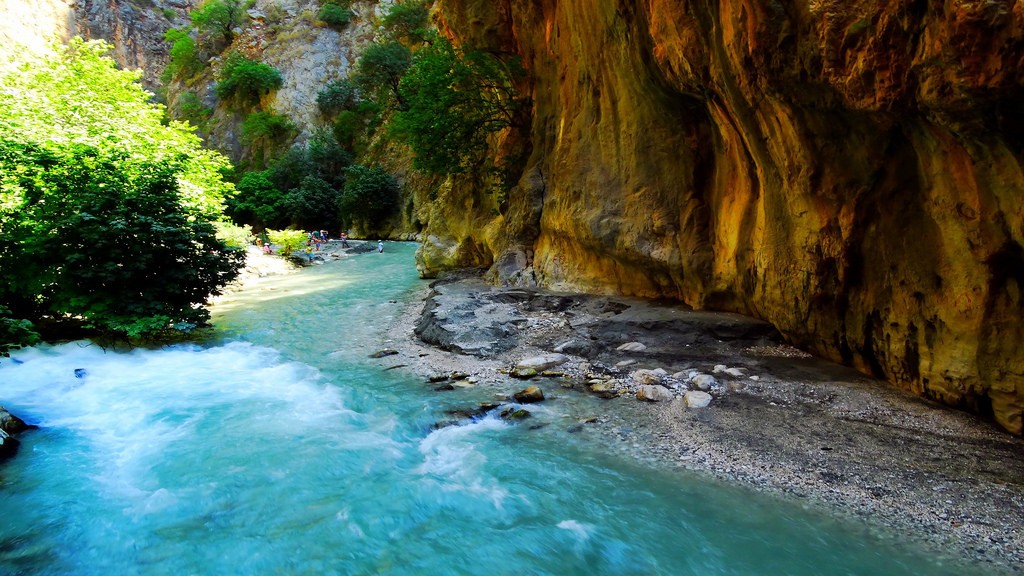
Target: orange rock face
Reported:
point(850, 170)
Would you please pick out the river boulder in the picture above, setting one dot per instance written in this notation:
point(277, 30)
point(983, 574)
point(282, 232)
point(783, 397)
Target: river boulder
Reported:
point(10, 423)
point(697, 399)
point(8, 445)
point(541, 363)
point(529, 395)
point(654, 393)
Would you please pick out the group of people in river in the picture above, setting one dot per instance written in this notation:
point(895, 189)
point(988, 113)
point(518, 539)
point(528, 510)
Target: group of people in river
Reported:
point(314, 240)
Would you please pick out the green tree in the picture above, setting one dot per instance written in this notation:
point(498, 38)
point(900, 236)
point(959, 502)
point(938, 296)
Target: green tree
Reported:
point(259, 202)
point(336, 97)
point(370, 198)
point(105, 238)
point(246, 79)
point(454, 101)
point(407, 20)
point(328, 158)
point(334, 16)
point(219, 18)
point(266, 128)
point(380, 69)
point(184, 55)
point(77, 95)
point(314, 204)
point(105, 209)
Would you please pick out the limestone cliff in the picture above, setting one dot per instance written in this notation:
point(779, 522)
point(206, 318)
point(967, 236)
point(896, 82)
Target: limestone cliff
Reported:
point(135, 29)
point(849, 170)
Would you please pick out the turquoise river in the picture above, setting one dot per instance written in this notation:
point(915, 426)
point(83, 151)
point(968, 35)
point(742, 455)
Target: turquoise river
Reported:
point(278, 447)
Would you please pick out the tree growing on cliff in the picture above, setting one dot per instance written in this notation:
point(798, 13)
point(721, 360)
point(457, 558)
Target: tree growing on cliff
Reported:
point(407, 20)
point(217, 19)
point(246, 80)
point(380, 69)
point(455, 99)
point(184, 55)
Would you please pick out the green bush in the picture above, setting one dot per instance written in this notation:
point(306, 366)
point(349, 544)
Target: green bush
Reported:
point(336, 97)
point(407, 20)
point(287, 241)
point(246, 79)
point(15, 332)
point(370, 198)
point(334, 16)
point(234, 236)
point(265, 128)
point(184, 54)
point(191, 109)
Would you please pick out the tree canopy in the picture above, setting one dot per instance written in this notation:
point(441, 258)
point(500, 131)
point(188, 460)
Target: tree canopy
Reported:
point(454, 99)
point(106, 210)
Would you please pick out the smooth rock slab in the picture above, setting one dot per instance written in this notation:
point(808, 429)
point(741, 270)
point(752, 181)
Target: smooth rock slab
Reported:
point(632, 347)
point(541, 363)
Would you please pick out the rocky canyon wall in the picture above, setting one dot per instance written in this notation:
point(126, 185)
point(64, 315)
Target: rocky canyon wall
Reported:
point(849, 170)
point(134, 28)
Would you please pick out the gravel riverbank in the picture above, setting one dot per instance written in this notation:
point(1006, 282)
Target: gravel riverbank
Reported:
point(779, 421)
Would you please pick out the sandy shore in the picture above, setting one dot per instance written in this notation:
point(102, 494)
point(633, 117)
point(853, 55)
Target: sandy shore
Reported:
point(791, 425)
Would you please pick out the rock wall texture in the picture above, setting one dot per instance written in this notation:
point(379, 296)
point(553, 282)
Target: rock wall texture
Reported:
point(135, 29)
point(27, 24)
point(850, 171)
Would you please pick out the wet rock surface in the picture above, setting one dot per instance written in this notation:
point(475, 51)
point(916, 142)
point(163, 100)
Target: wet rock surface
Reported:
point(779, 420)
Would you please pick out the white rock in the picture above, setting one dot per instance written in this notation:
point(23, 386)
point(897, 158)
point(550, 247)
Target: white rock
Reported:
point(696, 399)
point(719, 368)
point(624, 363)
point(703, 381)
point(632, 347)
point(541, 363)
point(654, 393)
point(755, 378)
point(644, 377)
point(735, 372)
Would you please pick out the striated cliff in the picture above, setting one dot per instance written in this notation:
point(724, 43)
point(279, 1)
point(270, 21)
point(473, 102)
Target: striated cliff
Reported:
point(850, 171)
